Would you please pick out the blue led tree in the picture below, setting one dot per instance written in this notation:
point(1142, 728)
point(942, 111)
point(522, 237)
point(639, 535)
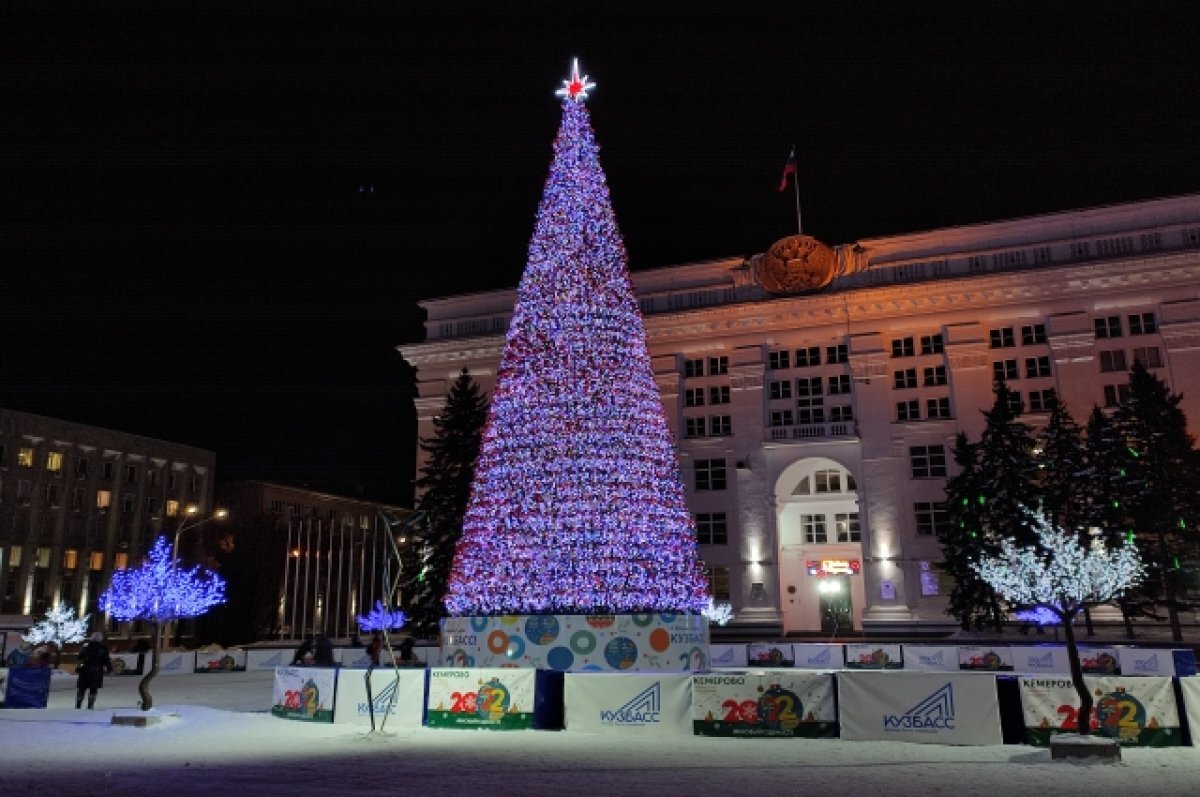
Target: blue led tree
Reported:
point(160, 592)
point(577, 504)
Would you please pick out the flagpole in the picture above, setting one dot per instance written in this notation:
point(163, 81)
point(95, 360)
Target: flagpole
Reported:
point(796, 185)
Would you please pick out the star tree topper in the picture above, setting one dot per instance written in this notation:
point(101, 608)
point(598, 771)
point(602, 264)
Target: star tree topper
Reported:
point(576, 88)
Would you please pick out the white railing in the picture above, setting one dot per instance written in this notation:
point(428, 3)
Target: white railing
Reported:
point(811, 431)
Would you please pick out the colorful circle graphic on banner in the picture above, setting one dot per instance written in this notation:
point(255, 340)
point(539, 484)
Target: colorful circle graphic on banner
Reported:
point(621, 653)
point(600, 620)
point(643, 620)
point(583, 642)
point(1120, 715)
point(541, 629)
point(668, 617)
point(560, 658)
point(497, 642)
point(660, 640)
point(779, 709)
point(493, 700)
point(516, 647)
point(510, 619)
point(479, 623)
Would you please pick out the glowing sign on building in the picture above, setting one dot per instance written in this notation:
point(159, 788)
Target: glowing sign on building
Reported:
point(834, 567)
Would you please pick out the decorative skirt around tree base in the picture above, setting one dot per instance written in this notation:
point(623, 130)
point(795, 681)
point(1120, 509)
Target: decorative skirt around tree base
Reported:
point(653, 642)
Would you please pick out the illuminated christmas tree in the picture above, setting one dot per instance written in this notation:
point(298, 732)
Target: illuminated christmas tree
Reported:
point(577, 504)
point(157, 593)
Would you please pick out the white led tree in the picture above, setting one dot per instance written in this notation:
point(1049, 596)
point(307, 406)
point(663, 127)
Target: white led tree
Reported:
point(60, 627)
point(160, 592)
point(1061, 576)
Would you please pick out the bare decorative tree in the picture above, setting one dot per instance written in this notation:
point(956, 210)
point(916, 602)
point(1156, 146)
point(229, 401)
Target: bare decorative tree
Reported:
point(1063, 577)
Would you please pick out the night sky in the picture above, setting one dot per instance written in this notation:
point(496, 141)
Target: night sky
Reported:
point(216, 218)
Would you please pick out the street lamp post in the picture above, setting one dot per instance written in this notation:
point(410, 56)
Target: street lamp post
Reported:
point(190, 520)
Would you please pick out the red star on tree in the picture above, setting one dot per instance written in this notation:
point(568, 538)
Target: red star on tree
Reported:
point(576, 88)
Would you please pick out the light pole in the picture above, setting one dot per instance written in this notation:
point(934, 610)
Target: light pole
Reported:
point(190, 520)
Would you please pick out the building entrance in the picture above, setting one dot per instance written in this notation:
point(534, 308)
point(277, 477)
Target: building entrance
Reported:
point(833, 598)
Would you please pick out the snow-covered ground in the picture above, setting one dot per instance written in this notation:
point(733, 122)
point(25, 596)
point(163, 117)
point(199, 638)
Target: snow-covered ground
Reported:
point(218, 739)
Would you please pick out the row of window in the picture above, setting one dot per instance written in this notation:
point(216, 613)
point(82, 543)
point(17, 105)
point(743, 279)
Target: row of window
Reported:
point(935, 409)
point(807, 357)
point(695, 396)
point(1139, 324)
point(1115, 360)
point(836, 385)
point(712, 366)
point(70, 560)
point(55, 463)
point(712, 426)
point(907, 378)
point(51, 496)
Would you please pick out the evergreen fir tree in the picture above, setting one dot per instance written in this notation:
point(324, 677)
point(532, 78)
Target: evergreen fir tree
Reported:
point(578, 505)
point(1061, 463)
point(963, 542)
point(993, 497)
point(1161, 491)
point(445, 486)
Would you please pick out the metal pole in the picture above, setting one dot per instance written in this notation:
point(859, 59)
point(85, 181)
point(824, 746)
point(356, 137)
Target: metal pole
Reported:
point(295, 581)
point(328, 612)
point(341, 566)
point(281, 611)
point(307, 572)
point(318, 607)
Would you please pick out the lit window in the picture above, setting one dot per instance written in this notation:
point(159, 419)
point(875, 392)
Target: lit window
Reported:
point(103, 499)
point(54, 461)
point(120, 560)
point(14, 556)
point(25, 457)
point(364, 522)
point(172, 507)
point(711, 528)
point(927, 462)
point(718, 582)
point(70, 559)
point(43, 557)
point(96, 560)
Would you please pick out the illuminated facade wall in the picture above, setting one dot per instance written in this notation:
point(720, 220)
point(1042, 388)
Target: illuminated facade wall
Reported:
point(78, 500)
point(814, 429)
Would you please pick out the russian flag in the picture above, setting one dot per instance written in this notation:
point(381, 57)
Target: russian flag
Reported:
point(789, 168)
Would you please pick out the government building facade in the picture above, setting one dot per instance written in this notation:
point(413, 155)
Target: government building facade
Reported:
point(815, 391)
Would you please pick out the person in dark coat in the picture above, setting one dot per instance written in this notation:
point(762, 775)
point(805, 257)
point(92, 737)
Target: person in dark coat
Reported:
point(304, 653)
point(323, 653)
point(94, 662)
point(374, 648)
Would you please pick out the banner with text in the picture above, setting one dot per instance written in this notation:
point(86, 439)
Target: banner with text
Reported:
point(764, 704)
point(1137, 711)
point(1191, 705)
point(612, 703)
point(304, 693)
point(930, 658)
point(929, 708)
point(992, 658)
point(1039, 659)
point(816, 656)
point(397, 695)
point(873, 657)
point(726, 656)
point(127, 663)
point(220, 661)
point(492, 698)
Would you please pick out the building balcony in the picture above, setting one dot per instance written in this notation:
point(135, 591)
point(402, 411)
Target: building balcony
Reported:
point(811, 431)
